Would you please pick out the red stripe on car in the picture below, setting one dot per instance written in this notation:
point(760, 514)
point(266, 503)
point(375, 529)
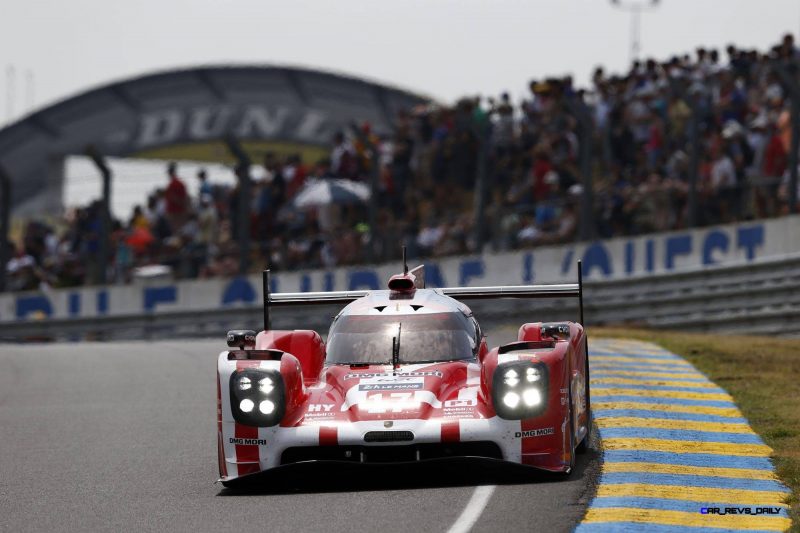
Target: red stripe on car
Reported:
point(328, 436)
point(223, 468)
point(246, 453)
point(451, 431)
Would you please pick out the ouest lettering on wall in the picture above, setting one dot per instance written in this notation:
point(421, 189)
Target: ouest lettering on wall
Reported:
point(611, 259)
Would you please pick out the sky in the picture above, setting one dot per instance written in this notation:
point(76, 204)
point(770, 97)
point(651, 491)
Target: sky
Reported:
point(442, 48)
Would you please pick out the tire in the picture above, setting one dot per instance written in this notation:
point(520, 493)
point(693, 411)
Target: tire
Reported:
point(583, 446)
point(571, 436)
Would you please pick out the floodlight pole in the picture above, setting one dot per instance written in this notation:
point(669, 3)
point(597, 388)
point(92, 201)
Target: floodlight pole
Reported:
point(636, 33)
point(243, 226)
point(10, 84)
point(105, 214)
point(5, 224)
point(636, 9)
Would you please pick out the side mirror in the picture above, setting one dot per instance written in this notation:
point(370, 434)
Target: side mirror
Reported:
point(483, 349)
point(242, 339)
point(555, 331)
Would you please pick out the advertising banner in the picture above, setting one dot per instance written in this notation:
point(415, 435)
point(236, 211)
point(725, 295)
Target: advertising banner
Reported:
point(612, 259)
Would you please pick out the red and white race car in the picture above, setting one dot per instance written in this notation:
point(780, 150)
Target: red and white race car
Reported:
point(405, 376)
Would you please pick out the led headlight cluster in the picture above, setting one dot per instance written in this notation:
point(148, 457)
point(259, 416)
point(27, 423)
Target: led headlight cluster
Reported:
point(519, 389)
point(257, 397)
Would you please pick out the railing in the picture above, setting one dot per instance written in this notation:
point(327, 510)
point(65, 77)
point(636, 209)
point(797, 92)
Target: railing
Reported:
point(760, 297)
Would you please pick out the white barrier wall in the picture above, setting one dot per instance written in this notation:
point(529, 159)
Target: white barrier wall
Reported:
point(611, 259)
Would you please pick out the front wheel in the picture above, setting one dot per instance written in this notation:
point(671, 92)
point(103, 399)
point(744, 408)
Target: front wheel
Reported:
point(571, 429)
point(583, 447)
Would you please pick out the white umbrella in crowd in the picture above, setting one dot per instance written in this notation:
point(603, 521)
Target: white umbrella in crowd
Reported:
point(321, 192)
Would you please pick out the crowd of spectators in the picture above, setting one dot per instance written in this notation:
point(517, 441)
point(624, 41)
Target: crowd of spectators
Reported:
point(639, 135)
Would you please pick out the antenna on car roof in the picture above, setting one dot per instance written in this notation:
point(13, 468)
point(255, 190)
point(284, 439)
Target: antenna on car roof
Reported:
point(405, 263)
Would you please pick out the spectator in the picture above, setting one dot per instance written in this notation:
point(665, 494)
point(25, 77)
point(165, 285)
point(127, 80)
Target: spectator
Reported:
point(723, 182)
point(176, 199)
point(343, 158)
point(207, 225)
point(294, 174)
point(403, 148)
point(651, 125)
point(205, 186)
point(138, 219)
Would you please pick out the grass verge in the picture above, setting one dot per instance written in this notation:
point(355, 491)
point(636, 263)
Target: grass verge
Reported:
point(763, 376)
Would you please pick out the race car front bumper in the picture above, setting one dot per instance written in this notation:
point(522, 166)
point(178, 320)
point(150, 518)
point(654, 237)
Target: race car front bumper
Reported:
point(396, 442)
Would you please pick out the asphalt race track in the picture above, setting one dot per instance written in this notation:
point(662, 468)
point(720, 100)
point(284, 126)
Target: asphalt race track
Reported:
point(122, 436)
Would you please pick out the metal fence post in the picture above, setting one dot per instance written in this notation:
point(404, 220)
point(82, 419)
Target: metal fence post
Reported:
point(694, 161)
point(585, 131)
point(243, 226)
point(793, 156)
point(5, 224)
point(481, 131)
point(788, 72)
point(105, 215)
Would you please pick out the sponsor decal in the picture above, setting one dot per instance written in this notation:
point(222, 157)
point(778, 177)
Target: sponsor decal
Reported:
point(466, 402)
point(320, 407)
point(365, 375)
point(248, 442)
point(318, 418)
point(245, 338)
point(460, 408)
point(534, 433)
point(395, 402)
point(390, 386)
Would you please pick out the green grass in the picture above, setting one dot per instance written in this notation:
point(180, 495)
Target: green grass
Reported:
point(763, 376)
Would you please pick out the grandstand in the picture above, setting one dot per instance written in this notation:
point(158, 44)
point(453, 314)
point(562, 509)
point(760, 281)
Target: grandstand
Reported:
point(685, 141)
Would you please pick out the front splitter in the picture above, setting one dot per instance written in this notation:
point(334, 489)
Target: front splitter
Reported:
point(326, 475)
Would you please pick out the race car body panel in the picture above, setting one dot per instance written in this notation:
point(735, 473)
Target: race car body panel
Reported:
point(405, 376)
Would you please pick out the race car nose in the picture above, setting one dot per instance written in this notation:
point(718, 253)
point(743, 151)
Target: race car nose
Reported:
point(393, 406)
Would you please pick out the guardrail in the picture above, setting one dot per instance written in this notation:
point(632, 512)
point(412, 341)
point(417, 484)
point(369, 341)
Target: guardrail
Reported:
point(761, 297)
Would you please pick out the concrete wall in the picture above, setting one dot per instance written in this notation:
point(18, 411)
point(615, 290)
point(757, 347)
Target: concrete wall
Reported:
point(613, 259)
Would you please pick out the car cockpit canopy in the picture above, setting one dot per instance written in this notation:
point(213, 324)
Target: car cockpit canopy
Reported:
point(417, 338)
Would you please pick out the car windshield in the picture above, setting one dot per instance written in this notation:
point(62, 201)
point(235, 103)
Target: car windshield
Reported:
point(429, 337)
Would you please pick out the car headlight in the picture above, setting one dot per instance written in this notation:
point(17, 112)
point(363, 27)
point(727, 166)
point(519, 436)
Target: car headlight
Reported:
point(257, 397)
point(519, 389)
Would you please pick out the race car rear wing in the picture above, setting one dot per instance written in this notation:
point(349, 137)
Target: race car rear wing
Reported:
point(566, 290)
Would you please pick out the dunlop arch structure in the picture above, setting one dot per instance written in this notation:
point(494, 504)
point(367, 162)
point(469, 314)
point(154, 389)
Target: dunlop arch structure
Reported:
point(203, 113)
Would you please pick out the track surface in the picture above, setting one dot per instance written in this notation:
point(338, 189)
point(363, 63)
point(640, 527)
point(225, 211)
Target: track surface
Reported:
point(122, 436)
